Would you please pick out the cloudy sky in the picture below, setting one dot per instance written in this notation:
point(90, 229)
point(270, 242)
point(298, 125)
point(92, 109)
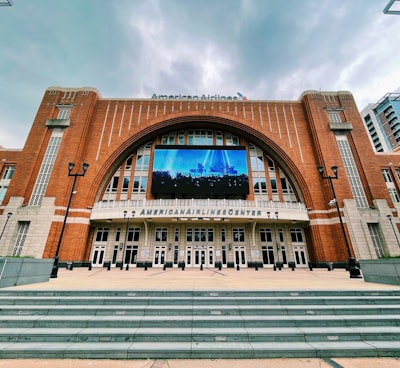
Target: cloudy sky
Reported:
point(265, 49)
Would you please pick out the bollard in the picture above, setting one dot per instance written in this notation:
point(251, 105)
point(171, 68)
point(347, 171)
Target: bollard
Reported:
point(238, 267)
point(201, 267)
point(256, 267)
point(145, 266)
point(127, 267)
point(109, 266)
point(165, 267)
point(220, 267)
point(90, 266)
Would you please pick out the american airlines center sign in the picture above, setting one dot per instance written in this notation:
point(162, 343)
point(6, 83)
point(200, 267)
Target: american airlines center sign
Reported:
point(197, 97)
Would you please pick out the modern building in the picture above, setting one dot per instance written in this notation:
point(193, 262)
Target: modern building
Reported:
point(382, 121)
point(204, 180)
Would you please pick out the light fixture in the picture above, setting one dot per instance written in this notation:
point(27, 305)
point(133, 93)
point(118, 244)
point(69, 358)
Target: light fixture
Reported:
point(71, 165)
point(353, 269)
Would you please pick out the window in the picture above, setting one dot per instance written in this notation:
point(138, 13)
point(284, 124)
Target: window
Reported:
point(45, 170)
point(3, 191)
point(271, 164)
point(387, 176)
point(176, 235)
point(398, 174)
point(113, 186)
point(142, 162)
point(232, 140)
point(373, 231)
point(168, 139)
point(265, 235)
point(200, 137)
point(63, 113)
point(257, 163)
point(128, 163)
point(102, 234)
point(189, 235)
point(238, 235)
point(274, 187)
point(334, 117)
point(223, 235)
point(297, 235)
point(139, 184)
point(352, 172)
point(260, 185)
point(200, 235)
point(219, 138)
point(394, 195)
point(117, 234)
point(8, 172)
point(133, 234)
point(281, 237)
point(181, 137)
point(125, 184)
point(21, 237)
point(161, 234)
point(210, 234)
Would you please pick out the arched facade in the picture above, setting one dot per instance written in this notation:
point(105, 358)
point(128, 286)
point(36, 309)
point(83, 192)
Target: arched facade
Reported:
point(206, 181)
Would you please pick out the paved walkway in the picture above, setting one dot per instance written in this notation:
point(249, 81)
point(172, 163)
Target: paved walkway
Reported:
point(195, 279)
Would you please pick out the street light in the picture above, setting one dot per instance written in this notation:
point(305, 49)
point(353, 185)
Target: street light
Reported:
point(9, 214)
point(275, 236)
point(391, 223)
point(71, 166)
point(126, 237)
point(353, 269)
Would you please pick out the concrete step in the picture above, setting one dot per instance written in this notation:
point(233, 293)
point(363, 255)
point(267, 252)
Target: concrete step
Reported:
point(191, 300)
point(204, 310)
point(206, 324)
point(55, 321)
point(199, 350)
point(292, 334)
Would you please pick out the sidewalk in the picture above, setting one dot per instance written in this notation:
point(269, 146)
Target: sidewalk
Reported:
point(195, 279)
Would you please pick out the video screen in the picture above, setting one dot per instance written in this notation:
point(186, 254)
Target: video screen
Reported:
point(200, 170)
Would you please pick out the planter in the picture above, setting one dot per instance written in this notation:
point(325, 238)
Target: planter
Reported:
point(383, 271)
point(23, 271)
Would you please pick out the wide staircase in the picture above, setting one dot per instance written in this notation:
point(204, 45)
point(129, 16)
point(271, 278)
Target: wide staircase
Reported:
point(199, 324)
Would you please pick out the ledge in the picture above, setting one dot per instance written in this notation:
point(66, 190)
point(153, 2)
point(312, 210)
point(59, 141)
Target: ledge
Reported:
point(58, 123)
point(341, 126)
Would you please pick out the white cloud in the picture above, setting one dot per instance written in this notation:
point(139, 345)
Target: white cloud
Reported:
point(264, 49)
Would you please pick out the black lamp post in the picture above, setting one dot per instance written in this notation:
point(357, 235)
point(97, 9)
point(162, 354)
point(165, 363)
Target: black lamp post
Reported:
point(391, 223)
point(276, 237)
point(71, 166)
point(126, 237)
point(9, 214)
point(353, 269)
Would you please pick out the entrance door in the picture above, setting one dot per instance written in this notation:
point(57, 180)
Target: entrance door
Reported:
point(210, 257)
point(98, 256)
point(268, 256)
point(300, 256)
point(240, 256)
point(199, 256)
point(131, 255)
point(159, 256)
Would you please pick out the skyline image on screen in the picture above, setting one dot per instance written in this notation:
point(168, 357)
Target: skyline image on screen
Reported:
point(197, 170)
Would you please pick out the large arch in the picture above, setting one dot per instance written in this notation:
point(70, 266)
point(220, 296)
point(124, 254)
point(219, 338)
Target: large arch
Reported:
point(205, 121)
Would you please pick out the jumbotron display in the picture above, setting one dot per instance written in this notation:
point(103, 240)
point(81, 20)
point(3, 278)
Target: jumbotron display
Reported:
point(200, 170)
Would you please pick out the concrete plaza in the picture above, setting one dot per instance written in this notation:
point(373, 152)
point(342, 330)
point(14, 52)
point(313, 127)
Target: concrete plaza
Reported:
point(207, 279)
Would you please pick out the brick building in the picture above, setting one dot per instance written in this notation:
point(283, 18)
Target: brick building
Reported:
point(205, 180)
